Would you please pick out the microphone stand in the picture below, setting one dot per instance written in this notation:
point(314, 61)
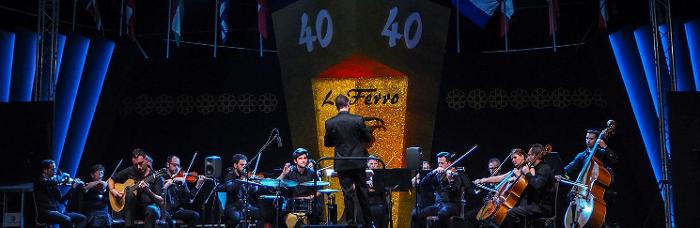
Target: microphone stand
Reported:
point(274, 134)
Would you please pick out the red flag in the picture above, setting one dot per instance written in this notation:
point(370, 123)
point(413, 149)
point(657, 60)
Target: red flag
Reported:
point(505, 23)
point(553, 16)
point(130, 20)
point(262, 18)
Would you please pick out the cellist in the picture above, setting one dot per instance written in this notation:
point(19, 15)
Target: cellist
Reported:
point(603, 153)
point(538, 197)
point(518, 160)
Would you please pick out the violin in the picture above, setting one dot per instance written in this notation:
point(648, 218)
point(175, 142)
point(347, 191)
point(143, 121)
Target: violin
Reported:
point(65, 179)
point(190, 178)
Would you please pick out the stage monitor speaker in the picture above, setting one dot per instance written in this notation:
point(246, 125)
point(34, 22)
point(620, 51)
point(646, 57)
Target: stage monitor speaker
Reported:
point(684, 128)
point(212, 166)
point(413, 157)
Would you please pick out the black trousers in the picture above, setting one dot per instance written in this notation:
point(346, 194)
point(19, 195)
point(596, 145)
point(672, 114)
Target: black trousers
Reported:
point(443, 210)
point(356, 178)
point(379, 214)
point(516, 216)
point(234, 215)
point(190, 217)
point(64, 219)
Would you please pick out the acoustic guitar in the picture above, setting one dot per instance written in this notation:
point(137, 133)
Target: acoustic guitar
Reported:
point(130, 185)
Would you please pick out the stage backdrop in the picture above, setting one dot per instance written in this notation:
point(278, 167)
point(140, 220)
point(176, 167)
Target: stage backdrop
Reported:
point(385, 56)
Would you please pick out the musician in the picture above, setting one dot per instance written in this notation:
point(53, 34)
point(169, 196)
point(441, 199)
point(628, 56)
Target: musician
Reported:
point(95, 199)
point(300, 173)
point(50, 202)
point(237, 193)
point(605, 154)
point(148, 199)
point(493, 165)
point(348, 134)
point(517, 158)
point(177, 194)
point(537, 199)
point(447, 185)
point(377, 195)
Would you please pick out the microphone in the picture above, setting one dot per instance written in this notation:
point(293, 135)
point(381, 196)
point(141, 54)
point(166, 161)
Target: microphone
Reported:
point(279, 138)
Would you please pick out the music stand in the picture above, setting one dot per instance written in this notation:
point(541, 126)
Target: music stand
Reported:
point(398, 179)
point(554, 161)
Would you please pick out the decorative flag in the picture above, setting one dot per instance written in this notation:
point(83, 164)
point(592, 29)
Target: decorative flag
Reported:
point(223, 17)
point(130, 20)
point(177, 11)
point(553, 16)
point(507, 11)
point(603, 19)
point(92, 8)
point(481, 11)
point(262, 18)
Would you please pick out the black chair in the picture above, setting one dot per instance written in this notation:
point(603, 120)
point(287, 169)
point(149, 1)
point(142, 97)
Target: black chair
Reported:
point(547, 221)
point(36, 216)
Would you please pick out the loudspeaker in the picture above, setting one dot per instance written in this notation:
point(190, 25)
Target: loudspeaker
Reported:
point(212, 167)
point(684, 128)
point(413, 157)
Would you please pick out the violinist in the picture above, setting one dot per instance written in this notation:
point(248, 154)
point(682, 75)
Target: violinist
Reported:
point(49, 198)
point(538, 197)
point(148, 198)
point(177, 194)
point(95, 199)
point(447, 185)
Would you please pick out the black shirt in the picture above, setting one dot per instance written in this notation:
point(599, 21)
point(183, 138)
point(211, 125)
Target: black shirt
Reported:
point(426, 191)
point(540, 188)
point(348, 134)
point(48, 196)
point(176, 196)
point(301, 177)
point(235, 191)
point(607, 156)
point(446, 191)
point(95, 199)
point(142, 195)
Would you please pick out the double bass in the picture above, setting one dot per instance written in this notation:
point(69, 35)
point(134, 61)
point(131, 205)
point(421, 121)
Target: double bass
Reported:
point(508, 194)
point(587, 208)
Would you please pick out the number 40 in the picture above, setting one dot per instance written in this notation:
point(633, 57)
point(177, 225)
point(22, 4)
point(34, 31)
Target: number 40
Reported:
point(391, 29)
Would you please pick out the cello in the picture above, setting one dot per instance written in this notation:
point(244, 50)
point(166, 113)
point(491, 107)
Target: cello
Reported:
point(587, 208)
point(509, 192)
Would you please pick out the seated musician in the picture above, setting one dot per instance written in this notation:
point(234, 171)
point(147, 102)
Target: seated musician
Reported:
point(425, 193)
point(177, 194)
point(447, 186)
point(50, 202)
point(95, 199)
point(603, 153)
point(537, 199)
point(518, 159)
point(146, 202)
point(300, 173)
point(238, 193)
point(377, 196)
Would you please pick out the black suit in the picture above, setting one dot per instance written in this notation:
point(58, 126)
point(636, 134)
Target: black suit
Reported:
point(348, 134)
point(49, 202)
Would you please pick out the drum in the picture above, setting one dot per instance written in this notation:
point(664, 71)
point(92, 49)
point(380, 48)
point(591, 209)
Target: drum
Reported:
point(299, 204)
point(296, 219)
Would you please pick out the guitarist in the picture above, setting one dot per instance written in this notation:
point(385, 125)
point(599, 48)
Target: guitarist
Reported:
point(147, 200)
point(538, 198)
